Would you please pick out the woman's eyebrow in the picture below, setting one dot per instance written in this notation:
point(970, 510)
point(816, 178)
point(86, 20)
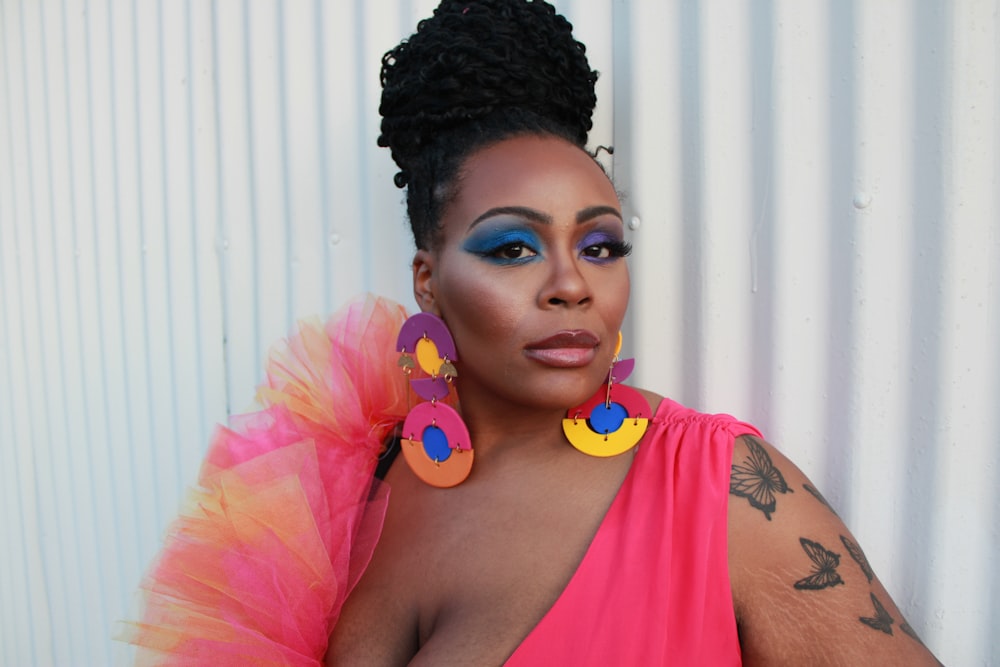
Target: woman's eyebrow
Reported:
point(592, 212)
point(519, 211)
point(533, 215)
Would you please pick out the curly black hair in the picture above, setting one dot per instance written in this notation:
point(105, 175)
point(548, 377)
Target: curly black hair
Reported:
point(475, 73)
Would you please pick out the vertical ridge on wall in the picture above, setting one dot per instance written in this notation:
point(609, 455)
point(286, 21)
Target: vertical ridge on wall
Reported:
point(27, 547)
point(320, 54)
point(691, 194)
point(56, 565)
point(841, 341)
point(77, 501)
point(98, 282)
point(235, 164)
point(144, 405)
point(800, 80)
point(365, 30)
point(762, 236)
point(647, 169)
point(932, 139)
point(970, 319)
point(721, 227)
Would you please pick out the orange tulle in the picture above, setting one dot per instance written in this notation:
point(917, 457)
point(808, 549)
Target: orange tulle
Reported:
point(259, 562)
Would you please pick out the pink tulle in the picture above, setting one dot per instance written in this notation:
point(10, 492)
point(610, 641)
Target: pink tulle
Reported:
point(259, 562)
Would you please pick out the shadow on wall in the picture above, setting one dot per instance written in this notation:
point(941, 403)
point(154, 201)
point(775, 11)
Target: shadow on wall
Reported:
point(841, 240)
point(689, 59)
point(932, 25)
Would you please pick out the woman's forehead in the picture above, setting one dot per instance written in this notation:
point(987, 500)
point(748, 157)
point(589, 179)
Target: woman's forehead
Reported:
point(542, 172)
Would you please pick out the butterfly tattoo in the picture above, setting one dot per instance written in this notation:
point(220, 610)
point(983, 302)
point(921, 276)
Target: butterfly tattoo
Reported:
point(881, 621)
point(824, 573)
point(756, 479)
point(819, 496)
point(859, 557)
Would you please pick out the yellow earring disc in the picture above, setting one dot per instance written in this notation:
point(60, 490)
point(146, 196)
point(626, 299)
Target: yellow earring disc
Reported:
point(428, 357)
point(595, 444)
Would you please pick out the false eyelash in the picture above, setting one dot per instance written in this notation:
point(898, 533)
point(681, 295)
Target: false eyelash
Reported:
point(618, 248)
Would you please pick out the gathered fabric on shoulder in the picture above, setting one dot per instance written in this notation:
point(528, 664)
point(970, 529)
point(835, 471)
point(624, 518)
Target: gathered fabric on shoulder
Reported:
point(653, 587)
point(286, 514)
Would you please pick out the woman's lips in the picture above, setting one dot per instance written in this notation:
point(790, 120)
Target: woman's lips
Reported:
point(566, 349)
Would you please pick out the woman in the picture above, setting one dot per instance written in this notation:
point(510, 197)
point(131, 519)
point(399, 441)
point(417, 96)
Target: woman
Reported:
point(576, 521)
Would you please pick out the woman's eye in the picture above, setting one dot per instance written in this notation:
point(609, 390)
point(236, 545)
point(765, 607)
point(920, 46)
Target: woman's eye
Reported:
point(513, 251)
point(607, 250)
point(597, 251)
point(502, 246)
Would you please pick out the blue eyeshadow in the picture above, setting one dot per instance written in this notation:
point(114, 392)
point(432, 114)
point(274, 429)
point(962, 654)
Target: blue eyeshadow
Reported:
point(489, 240)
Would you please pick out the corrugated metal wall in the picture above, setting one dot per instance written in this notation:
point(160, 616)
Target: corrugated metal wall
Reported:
point(814, 188)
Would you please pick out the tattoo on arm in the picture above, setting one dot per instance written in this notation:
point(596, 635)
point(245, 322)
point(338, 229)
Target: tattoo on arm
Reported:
point(824, 573)
point(757, 479)
point(881, 621)
point(859, 557)
point(819, 496)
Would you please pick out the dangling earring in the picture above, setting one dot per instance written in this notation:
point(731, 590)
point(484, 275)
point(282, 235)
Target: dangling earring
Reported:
point(436, 442)
point(614, 419)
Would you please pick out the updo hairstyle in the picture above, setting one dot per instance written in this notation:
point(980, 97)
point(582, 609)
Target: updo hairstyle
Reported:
point(475, 73)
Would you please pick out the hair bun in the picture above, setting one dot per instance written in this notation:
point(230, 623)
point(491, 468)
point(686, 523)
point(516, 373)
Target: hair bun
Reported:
point(476, 57)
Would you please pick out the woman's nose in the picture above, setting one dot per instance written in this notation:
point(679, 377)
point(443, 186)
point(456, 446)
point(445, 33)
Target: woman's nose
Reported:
point(566, 285)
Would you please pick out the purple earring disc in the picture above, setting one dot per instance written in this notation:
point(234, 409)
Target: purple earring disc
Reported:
point(622, 369)
point(434, 327)
point(430, 389)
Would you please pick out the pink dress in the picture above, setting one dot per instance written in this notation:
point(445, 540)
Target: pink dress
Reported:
point(286, 514)
point(653, 588)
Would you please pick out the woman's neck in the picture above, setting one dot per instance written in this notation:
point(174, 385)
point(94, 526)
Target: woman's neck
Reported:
point(497, 425)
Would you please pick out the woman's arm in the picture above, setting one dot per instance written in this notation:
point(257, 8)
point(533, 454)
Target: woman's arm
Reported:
point(803, 590)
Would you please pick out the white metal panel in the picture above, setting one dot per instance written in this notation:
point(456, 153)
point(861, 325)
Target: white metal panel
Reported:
point(964, 473)
point(799, 263)
point(816, 203)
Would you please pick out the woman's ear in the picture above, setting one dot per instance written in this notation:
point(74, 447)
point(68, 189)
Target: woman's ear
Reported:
point(423, 282)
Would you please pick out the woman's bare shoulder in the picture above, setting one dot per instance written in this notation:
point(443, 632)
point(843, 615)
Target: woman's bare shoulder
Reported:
point(651, 397)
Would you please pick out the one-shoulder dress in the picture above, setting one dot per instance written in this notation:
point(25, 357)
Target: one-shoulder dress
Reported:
point(287, 512)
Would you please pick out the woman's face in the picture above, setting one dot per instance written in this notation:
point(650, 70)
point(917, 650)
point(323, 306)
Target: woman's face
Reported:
point(529, 273)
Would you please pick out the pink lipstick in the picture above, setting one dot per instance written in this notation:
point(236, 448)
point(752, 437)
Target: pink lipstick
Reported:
point(565, 349)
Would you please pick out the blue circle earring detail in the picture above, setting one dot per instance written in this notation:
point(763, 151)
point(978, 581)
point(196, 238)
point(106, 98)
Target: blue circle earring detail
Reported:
point(436, 442)
point(614, 419)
